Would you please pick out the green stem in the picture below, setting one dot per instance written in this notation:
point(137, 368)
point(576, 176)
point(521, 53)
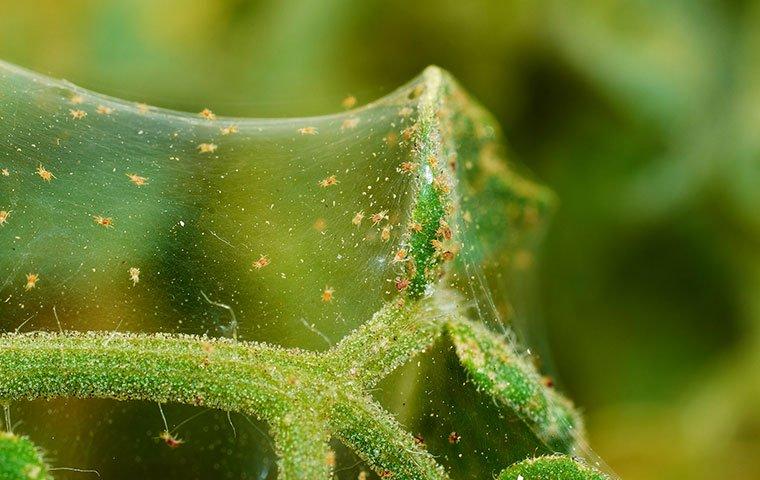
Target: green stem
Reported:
point(269, 383)
point(380, 441)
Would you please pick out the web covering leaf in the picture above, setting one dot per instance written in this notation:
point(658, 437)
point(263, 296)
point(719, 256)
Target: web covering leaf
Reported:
point(347, 243)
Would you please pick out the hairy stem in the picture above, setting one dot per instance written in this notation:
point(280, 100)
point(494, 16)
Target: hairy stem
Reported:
point(249, 378)
point(551, 467)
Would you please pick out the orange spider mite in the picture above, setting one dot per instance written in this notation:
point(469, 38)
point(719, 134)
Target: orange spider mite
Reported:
point(106, 222)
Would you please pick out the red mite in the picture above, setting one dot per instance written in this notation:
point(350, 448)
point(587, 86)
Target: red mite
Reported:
point(170, 440)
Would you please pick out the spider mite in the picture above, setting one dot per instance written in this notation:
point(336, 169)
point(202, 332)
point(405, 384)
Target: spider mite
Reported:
point(419, 439)
point(44, 174)
point(440, 184)
point(400, 256)
point(320, 224)
point(349, 123)
point(443, 230)
point(454, 438)
point(143, 108)
point(170, 440)
point(330, 459)
point(105, 222)
point(262, 262)
point(207, 114)
point(134, 275)
point(379, 217)
point(308, 131)
point(357, 220)
point(405, 112)
point(103, 110)
point(408, 132)
point(391, 139)
point(230, 129)
point(207, 147)
point(77, 114)
point(328, 182)
point(31, 281)
point(349, 102)
point(416, 227)
point(402, 284)
point(327, 294)
point(408, 167)
point(137, 179)
point(385, 233)
point(4, 217)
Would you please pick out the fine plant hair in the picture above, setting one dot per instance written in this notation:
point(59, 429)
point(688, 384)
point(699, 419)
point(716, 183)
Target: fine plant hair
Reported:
point(460, 205)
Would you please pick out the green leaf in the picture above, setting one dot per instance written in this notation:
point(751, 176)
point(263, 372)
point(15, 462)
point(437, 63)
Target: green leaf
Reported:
point(555, 467)
point(499, 370)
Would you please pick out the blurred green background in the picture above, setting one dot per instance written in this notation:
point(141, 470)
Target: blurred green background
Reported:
point(643, 116)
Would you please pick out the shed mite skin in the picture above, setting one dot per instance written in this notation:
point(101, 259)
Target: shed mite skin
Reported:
point(76, 99)
point(230, 129)
point(4, 214)
point(358, 217)
point(134, 275)
point(5, 172)
point(44, 174)
point(31, 281)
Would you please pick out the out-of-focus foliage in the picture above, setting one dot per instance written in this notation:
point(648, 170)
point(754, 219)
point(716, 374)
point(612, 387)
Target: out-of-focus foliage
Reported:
point(642, 115)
